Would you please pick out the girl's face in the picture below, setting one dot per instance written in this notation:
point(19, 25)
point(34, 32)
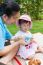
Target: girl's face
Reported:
point(24, 27)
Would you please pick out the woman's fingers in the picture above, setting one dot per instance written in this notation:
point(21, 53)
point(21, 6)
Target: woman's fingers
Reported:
point(22, 42)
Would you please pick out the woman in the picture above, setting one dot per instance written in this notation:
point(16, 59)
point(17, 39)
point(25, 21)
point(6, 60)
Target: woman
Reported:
point(10, 14)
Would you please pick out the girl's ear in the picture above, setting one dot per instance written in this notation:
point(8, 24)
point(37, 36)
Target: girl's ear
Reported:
point(5, 17)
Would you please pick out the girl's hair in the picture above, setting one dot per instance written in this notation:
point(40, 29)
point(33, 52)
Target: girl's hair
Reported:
point(21, 21)
point(9, 8)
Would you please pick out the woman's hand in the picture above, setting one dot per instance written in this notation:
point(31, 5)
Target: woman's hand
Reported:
point(19, 40)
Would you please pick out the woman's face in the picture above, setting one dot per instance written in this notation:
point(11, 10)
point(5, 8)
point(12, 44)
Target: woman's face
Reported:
point(25, 27)
point(13, 18)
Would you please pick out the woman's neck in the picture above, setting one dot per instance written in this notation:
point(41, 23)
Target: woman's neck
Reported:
point(3, 19)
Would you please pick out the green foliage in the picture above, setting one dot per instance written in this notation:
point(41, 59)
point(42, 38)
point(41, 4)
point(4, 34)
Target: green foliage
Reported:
point(1, 1)
point(31, 7)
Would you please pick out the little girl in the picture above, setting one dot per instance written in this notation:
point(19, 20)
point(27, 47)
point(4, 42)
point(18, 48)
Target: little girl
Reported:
point(27, 51)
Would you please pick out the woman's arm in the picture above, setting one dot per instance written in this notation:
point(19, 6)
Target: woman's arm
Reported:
point(8, 48)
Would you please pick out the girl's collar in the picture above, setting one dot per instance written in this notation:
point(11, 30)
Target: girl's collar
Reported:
point(24, 32)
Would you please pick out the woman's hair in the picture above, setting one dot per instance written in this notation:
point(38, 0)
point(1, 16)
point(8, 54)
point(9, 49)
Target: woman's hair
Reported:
point(21, 21)
point(2, 8)
point(9, 8)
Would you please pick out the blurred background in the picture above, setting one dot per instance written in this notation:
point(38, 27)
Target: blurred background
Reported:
point(34, 8)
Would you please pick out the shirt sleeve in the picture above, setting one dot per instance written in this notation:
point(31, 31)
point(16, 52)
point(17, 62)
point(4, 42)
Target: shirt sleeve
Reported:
point(2, 39)
point(8, 34)
point(16, 35)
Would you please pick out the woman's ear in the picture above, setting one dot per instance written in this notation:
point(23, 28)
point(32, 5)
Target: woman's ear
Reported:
point(5, 17)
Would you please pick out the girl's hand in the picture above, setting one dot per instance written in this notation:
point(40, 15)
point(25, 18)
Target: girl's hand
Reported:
point(22, 42)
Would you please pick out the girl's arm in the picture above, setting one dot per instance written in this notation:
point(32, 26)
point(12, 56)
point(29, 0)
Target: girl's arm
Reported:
point(33, 40)
point(39, 50)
